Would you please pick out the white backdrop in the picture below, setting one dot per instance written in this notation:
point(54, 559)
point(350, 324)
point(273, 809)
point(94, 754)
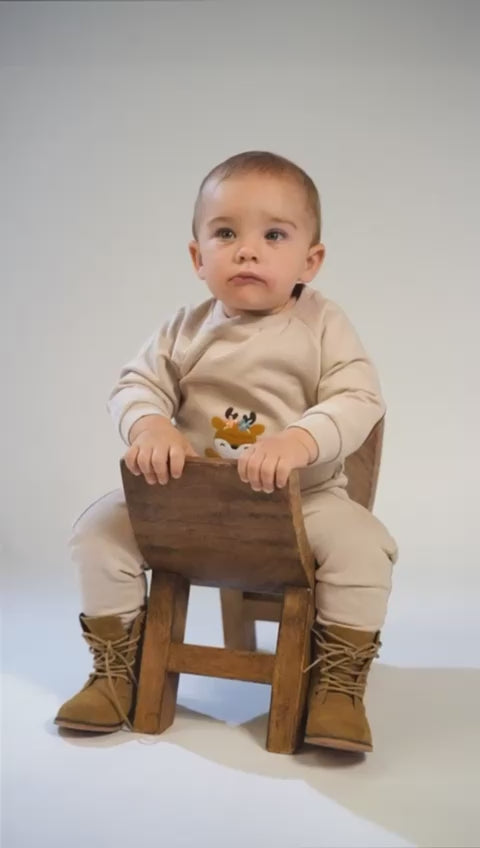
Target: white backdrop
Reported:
point(111, 114)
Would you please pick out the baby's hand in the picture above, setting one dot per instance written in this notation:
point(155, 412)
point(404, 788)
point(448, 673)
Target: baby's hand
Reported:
point(270, 460)
point(157, 448)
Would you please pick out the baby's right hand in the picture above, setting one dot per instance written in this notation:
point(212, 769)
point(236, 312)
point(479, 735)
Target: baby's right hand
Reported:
point(157, 447)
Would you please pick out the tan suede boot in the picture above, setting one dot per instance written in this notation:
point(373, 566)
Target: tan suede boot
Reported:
point(336, 714)
point(105, 702)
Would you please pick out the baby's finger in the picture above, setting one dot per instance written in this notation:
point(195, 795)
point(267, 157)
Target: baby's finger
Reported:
point(131, 461)
point(242, 464)
point(282, 473)
point(176, 461)
point(253, 470)
point(191, 451)
point(267, 473)
point(144, 461)
point(160, 465)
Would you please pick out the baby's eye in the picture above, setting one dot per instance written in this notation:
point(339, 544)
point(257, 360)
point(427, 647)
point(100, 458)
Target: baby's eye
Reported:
point(276, 233)
point(222, 232)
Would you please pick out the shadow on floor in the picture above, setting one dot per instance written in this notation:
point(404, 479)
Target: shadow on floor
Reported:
point(419, 781)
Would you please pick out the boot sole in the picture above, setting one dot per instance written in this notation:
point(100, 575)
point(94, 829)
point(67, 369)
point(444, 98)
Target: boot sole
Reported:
point(92, 728)
point(339, 744)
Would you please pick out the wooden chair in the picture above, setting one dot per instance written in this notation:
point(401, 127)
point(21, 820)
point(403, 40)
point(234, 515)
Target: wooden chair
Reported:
point(241, 609)
point(210, 529)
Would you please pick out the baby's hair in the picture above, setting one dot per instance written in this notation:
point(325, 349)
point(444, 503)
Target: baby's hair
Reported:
point(271, 164)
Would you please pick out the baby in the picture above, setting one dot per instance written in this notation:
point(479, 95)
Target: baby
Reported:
point(272, 374)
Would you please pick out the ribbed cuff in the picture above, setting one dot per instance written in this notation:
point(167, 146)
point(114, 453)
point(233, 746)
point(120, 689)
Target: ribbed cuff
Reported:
point(138, 410)
point(326, 434)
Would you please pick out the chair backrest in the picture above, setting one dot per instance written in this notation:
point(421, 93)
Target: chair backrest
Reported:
point(363, 466)
point(214, 530)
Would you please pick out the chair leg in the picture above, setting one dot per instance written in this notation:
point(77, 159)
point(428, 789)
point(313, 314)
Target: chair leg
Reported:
point(166, 619)
point(290, 683)
point(238, 631)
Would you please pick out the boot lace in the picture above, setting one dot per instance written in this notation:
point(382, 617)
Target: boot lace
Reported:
point(341, 667)
point(110, 660)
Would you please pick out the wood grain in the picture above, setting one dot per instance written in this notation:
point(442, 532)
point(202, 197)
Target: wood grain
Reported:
point(214, 530)
point(219, 662)
point(165, 622)
point(290, 683)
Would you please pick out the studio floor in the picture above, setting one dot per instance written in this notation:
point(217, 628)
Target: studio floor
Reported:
point(208, 782)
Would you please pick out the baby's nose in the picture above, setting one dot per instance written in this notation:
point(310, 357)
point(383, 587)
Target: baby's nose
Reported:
point(247, 251)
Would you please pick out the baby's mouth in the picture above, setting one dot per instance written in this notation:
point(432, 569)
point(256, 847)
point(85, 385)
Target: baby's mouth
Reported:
point(245, 279)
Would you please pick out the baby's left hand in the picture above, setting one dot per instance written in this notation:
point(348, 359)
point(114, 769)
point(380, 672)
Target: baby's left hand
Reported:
point(270, 460)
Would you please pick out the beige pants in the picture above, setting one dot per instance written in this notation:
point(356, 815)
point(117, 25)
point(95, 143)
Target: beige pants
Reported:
point(354, 551)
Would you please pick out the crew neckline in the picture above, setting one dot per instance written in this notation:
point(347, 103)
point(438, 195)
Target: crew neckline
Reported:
point(218, 317)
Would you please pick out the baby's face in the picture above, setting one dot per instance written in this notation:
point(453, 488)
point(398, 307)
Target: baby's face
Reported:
point(255, 225)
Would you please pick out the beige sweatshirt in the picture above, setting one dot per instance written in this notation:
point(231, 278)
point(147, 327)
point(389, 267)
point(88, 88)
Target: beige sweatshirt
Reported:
point(228, 381)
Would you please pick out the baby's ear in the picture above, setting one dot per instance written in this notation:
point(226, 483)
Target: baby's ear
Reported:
point(196, 257)
point(314, 260)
